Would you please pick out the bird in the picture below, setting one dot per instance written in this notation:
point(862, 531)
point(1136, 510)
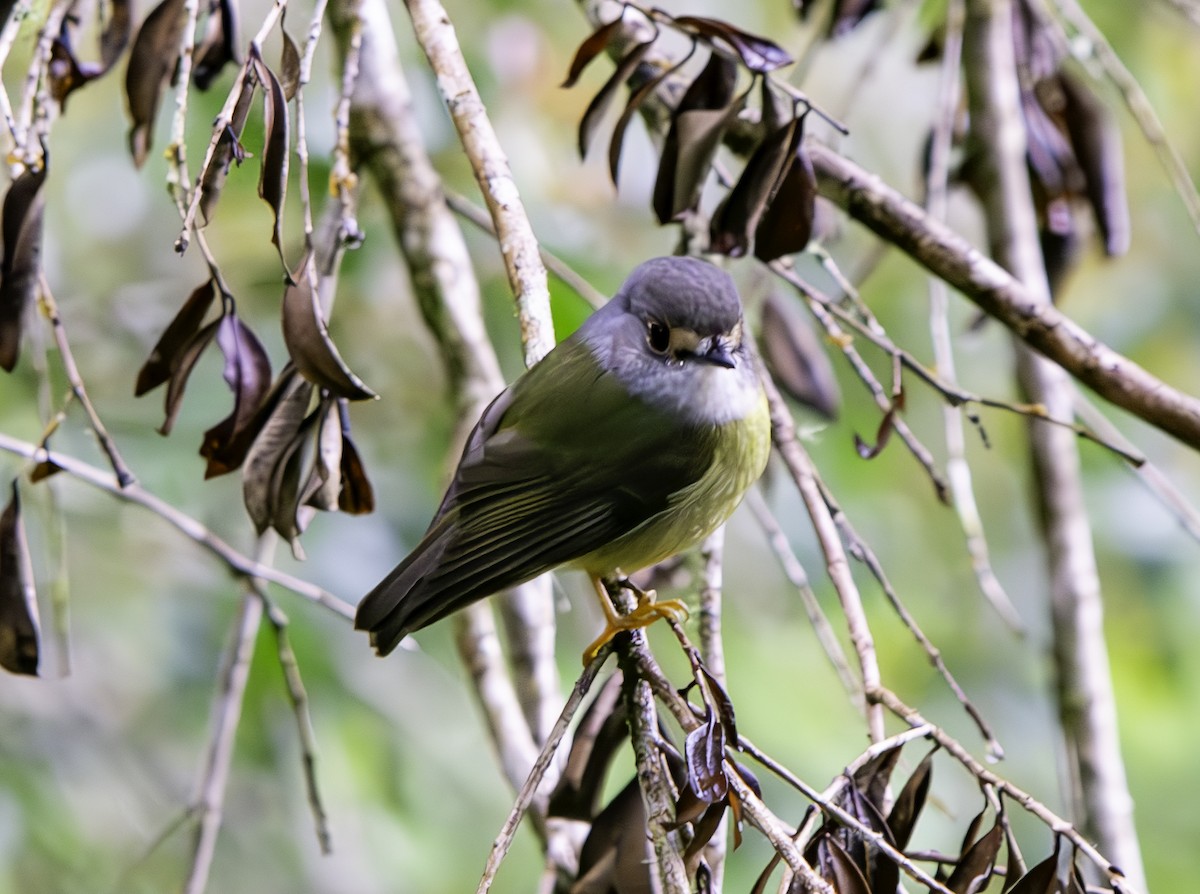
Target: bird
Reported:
point(628, 443)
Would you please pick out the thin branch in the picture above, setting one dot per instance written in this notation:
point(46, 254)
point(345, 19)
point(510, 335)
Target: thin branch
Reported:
point(238, 563)
point(804, 473)
point(478, 217)
point(1043, 327)
point(125, 476)
point(533, 782)
point(654, 781)
point(795, 572)
point(958, 470)
point(298, 696)
point(227, 712)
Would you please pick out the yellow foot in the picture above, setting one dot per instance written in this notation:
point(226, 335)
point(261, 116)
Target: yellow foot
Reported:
point(647, 611)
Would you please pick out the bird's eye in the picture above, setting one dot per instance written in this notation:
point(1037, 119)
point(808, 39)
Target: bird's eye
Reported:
point(658, 337)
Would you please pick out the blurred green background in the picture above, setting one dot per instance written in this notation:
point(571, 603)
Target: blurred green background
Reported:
point(96, 763)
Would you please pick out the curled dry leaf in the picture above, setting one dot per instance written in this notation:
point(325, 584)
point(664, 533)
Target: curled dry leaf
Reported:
point(19, 627)
point(356, 497)
point(165, 355)
point(704, 754)
point(1096, 141)
point(847, 14)
point(842, 871)
point(636, 98)
point(910, 802)
point(66, 73)
point(795, 358)
point(289, 67)
point(270, 474)
point(272, 183)
point(591, 47)
point(21, 231)
point(757, 53)
point(181, 369)
point(737, 217)
point(975, 867)
point(886, 425)
point(602, 100)
point(702, 116)
point(309, 344)
point(787, 223)
point(248, 375)
point(218, 46)
point(229, 150)
point(224, 456)
point(152, 62)
point(325, 477)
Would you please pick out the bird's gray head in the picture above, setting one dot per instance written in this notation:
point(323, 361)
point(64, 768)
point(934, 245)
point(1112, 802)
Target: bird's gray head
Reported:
point(688, 309)
point(673, 335)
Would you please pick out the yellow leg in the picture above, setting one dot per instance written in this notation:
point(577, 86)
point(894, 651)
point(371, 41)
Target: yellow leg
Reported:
point(645, 613)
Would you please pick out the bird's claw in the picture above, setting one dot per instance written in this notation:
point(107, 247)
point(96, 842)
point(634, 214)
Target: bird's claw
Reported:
point(646, 612)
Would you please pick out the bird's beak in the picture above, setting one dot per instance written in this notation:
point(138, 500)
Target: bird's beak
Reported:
point(718, 353)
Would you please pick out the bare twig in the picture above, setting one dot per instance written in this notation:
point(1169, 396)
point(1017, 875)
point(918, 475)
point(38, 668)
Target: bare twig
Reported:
point(958, 470)
point(298, 696)
point(804, 473)
point(533, 782)
point(227, 712)
point(125, 476)
point(796, 574)
point(194, 530)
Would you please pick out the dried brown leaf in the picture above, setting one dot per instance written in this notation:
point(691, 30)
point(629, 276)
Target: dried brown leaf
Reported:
point(704, 754)
point(1041, 879)
point(181, 369)
point(757, 53)
point(975, 867)
point(591, 47)
point(603, 99)
point(164, 356)
point(218, 45)
point(248, 375)
point(19, 627)
point(1096, 140)
point(324, 483)
point(289, 67)
point(272, 183)
point(309, 344)
point(636, 98)
point(787, 223)
point(264, 468)
point(847, 877)
point(357, 497)
point(701, 117)
point(152, 62)
point(737, 217)
point(21, 232)
point(910, 802)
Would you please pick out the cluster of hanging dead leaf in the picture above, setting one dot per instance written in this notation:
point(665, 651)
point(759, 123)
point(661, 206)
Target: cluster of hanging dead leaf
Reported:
point(1074, 148)
point(769, 209)
point(616, 856)
point(289, 434)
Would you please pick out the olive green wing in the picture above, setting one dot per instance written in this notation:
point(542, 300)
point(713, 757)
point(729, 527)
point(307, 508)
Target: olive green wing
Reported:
point(529, 496)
